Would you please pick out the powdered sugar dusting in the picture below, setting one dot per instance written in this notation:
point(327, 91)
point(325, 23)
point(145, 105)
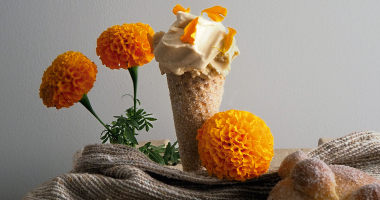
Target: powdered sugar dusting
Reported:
point(284, 190)
point(315, 178)
point(349, 179)
point(367, 192)
point(289, 162)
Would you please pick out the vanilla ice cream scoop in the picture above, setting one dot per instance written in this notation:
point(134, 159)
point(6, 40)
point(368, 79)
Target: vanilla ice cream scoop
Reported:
point(204, 58)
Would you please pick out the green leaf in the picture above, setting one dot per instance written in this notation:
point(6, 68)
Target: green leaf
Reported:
point(149, 124)
point(147, 145)
point(139, 111)
point(129, 112)
point(115, 132)
point(159, 148)
point(127, 95)
point(151, 119)
point(105, 136)
point(156, 157)
point(136, 118)
point(174, 157)
point(168, 149)
point(154, 148)
point(144, 148)
point(133, 123)
point(130, 136)
point(120, 140)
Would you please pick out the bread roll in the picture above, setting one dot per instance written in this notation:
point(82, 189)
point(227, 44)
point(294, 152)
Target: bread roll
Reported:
point(310, 178)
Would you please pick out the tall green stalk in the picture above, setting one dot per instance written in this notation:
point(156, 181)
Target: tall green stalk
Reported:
point(86, 103)
point(133, 71)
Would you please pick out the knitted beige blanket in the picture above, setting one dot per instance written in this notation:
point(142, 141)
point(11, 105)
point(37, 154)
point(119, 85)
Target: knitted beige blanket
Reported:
point(120, 172)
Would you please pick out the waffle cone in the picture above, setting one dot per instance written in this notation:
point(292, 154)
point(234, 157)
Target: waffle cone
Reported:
point(194, 100)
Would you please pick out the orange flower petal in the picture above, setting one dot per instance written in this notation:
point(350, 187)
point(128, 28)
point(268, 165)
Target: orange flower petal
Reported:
point(112, 58)
point(215, 13)
point(190, 30)
point(180, 8)
point(113, 47)
point(105, 42)
point(124, 57)
point(215, 17)
point(228, 39)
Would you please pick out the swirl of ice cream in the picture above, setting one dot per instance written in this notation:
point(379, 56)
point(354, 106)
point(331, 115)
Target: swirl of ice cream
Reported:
point(204, 58)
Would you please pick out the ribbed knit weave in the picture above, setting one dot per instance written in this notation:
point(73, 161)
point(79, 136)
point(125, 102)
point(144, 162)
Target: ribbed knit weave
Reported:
point(120, 172)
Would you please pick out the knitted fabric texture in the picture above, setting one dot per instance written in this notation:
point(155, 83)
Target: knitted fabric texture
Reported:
point(120, 172)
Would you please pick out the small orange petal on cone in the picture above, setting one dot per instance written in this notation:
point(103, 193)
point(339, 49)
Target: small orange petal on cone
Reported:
point(229, 38)
point(180, 8)
point(216, 13)
point(190, 30)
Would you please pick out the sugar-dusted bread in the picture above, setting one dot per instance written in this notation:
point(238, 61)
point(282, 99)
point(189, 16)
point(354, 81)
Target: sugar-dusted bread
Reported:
point(289, 162)
point(310, 178)
point(368, 192)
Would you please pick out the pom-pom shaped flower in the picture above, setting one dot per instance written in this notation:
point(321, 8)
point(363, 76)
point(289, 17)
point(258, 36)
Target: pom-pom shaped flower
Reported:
point(235, 145)
point(125, 46)
point(69, 77)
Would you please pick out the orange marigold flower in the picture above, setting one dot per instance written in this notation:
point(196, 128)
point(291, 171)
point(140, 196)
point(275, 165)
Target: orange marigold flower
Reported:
point(125, 46)
point(235, 145)
point(69, 77)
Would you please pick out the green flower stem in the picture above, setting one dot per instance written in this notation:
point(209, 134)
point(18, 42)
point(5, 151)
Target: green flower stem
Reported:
point(133, 71)
point(86, 103)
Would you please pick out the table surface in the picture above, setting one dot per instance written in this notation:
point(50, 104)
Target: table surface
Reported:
point(279, 154)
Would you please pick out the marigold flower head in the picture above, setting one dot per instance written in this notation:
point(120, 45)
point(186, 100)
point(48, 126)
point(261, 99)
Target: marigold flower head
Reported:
point(235, 145)
point(69, 77)
point(125, 46)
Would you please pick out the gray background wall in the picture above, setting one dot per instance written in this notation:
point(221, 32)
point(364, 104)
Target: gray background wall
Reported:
point(310, 69)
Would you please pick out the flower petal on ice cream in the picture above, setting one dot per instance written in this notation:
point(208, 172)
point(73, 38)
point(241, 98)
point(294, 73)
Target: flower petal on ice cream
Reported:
point(215, 13)
point(190, 30)
point(229, 38)
point(180, 8)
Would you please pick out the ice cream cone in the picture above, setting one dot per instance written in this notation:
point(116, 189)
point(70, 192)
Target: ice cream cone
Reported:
point(194, 100)
point(196, 55)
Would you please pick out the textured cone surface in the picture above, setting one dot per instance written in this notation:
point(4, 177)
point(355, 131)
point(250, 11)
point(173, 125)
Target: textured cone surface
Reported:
point(194, 100)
